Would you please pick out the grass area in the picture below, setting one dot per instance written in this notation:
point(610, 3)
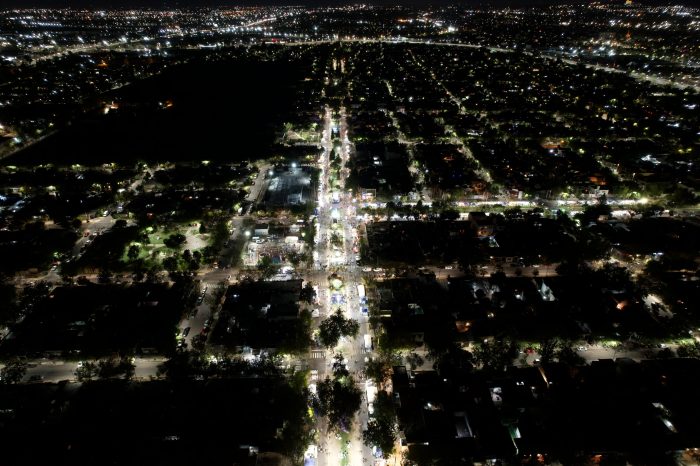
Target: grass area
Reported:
point(195, 241)
point(344, 451)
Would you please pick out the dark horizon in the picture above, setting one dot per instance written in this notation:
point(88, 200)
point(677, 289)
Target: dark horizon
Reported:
point(167, 4)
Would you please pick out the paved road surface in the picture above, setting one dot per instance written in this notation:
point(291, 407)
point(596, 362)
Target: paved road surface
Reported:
point(56, 371)
point(342, 261)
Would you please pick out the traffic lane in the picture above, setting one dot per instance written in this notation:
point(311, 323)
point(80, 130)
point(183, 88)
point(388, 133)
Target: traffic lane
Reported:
point(91, 228)
point(595, 353)
point(255, 191)
point(50, 371)
point(57, 371)
point(591, 353)
point(320, 365)
point(217, 275)
point(147, 368)
point(196, 322)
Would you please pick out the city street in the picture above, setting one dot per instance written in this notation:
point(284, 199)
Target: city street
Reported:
point(56, 371)
point(202, 312)
point(238, 221)
point(339, 209)
point(320, 359)
point(89, 229)
point(207, 213)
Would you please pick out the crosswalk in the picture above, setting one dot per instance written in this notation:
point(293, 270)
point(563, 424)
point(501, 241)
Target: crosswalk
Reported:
point(316, 354)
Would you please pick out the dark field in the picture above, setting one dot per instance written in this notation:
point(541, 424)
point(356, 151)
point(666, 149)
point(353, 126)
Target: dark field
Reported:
point(152, 423)
point(229, 111)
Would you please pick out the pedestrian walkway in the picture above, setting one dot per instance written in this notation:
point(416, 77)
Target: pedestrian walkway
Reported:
point(318, 354)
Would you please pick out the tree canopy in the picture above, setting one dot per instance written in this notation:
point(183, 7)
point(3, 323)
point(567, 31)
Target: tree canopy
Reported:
point(13, 372)
point(338, 398)
point(381, 430)
point(336, 326)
